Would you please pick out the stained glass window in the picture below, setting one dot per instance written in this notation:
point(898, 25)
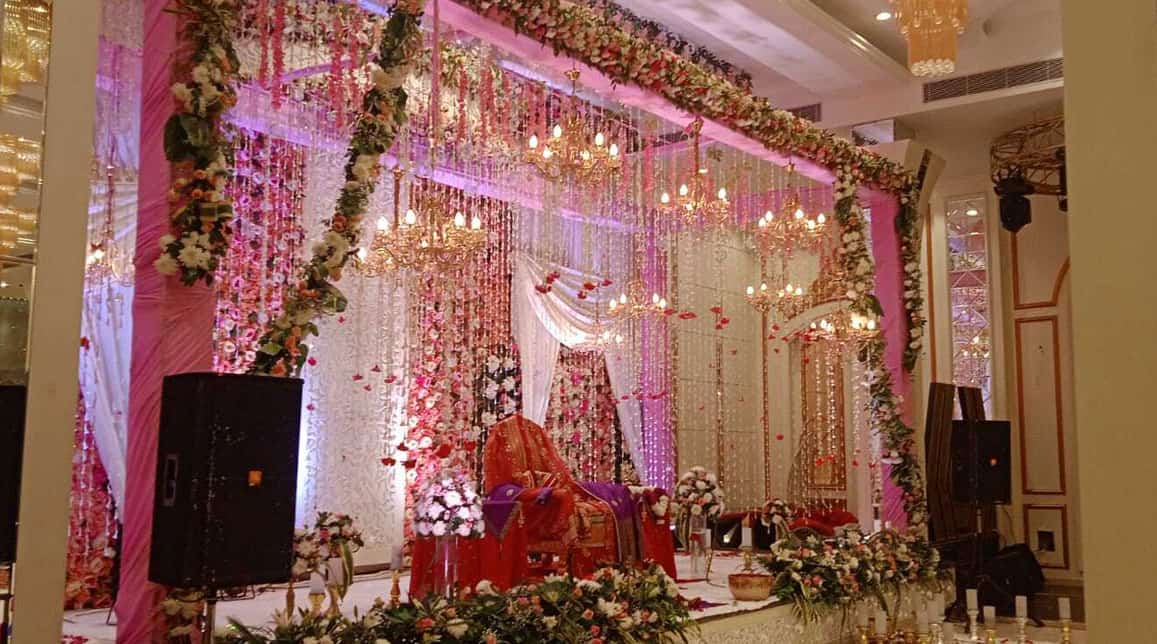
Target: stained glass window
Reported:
point(969, 295)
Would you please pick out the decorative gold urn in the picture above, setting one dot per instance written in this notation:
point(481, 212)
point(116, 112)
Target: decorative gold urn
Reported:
point(749, 586)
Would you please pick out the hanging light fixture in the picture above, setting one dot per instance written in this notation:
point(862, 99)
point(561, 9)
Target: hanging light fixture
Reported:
point(793, 228)
point(693, 203)
point(931, 27)
point(428, 237)
point(571, 151)
point(635, 304)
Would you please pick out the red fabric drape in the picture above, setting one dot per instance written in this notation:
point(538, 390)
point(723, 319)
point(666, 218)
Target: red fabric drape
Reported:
point(172, 333)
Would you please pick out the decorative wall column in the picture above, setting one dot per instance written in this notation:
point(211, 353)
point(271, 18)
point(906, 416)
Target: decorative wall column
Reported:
point(1111, 60)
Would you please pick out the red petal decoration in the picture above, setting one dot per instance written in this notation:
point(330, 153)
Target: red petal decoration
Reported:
point(376, 369)
point(358, 376)
point(368, 387)
point(582, 295)
point(310, 407)
point(779, 437)
point(717, 310)
point(390, 380)
point(590, 286)
point(388, 461)
point(341, 319)
point(607, 282)
point(443, 450)
point(402, 447)
point(410, 464)
point(312, 361)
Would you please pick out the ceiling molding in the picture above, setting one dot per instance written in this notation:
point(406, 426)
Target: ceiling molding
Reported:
point(855, 42)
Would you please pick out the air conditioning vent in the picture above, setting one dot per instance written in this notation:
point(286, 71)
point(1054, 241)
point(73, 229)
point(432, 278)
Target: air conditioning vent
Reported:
point(997, 79)
point(813, 113)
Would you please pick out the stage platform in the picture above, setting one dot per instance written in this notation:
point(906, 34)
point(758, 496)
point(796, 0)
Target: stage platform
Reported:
point(722, 620)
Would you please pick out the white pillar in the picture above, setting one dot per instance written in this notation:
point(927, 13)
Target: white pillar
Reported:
point(1111, 138)
point(54, 337)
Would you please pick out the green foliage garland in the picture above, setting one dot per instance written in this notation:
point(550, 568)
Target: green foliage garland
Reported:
point(197, 147)
point(282, 350)
point(884, 406)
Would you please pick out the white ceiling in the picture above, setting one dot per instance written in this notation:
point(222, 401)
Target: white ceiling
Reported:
point(806, 51)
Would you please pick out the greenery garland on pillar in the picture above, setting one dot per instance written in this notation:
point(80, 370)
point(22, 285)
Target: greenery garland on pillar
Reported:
point(195, 145)
point(282, 350)
point(884, 405)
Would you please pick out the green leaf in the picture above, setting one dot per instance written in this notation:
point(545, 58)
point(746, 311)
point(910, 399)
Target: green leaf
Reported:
point(176, 143)
point(271, 348)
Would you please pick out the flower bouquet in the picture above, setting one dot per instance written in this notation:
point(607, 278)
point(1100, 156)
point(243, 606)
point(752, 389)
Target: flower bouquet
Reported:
point(698, 500)
point(336, 538)
point(446, 508)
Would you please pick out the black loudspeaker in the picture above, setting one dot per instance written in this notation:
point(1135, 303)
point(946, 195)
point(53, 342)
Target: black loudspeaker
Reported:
point(1013, 571)
point(223, 515)
point(12, 401)
point(981, 462)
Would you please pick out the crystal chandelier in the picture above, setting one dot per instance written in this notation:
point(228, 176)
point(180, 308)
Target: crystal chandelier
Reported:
point(793, 228)
point(931, 27)
point(429, 238)
point(634, 304)
point(571, 151)
point(844, 326)
point(24, 49)
point(693, 203)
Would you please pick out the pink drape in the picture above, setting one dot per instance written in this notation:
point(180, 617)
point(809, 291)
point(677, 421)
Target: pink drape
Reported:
point(890, 292)
point(172, 333)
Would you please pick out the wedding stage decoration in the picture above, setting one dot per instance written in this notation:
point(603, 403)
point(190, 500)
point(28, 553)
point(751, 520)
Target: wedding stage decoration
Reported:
point(581, 307)
point(612, 605)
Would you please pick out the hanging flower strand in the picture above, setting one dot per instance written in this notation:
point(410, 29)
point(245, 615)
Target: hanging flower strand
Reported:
point(196, 146)
point(282, 350)
point(884, 405)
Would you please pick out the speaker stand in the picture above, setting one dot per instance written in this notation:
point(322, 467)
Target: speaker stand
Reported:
point(208, 636)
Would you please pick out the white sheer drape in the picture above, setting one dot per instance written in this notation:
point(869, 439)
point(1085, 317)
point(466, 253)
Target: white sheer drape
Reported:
point(348, 425)
point(544, 321)
point(107, 325)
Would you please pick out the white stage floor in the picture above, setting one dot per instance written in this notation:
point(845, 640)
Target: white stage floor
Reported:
point(726, 622)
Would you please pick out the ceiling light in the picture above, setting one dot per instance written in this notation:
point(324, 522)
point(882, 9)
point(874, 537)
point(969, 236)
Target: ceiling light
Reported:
point(972, 212)
point(884, 16)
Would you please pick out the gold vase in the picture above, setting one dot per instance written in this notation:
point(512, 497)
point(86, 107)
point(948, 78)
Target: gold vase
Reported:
point(334, 602)
point(290, 600)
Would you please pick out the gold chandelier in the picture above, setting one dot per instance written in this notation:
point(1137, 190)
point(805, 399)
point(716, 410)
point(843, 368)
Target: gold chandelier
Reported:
point(634, 304)
point(931, 27)
point(788, 301)
point(24, 49)
point(571, 151)
point(793, 228)
point(429, 238)
point(693, 203)
point(844, 326)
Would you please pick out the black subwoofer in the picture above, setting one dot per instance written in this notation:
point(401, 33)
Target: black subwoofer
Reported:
point(12, 405)
point(223, 515)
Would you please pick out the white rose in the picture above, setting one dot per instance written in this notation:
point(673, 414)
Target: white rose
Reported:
point(485, 587)
point(166, 265)
point(439, 529)
point(183, 94)
point(453, 498)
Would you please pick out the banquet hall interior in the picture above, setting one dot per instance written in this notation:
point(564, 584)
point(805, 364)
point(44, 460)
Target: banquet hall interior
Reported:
point(578, 321)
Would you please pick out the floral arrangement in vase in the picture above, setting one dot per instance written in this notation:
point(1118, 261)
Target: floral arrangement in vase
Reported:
point(698, 494)
point(447, 505)
point(655, 499)
point(819, 576)
point(333, 537)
